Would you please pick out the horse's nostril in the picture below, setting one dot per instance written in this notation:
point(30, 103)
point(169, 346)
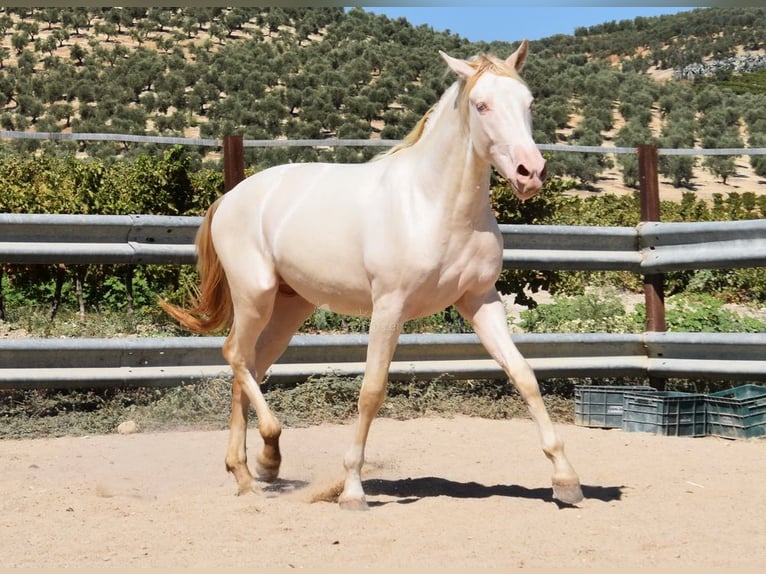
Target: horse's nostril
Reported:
point(522, 170)
point(544, 173)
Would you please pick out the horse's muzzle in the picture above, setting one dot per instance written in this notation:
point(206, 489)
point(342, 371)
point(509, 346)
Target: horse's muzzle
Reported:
point(524, 167)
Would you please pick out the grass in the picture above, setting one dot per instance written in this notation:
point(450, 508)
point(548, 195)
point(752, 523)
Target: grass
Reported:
point(205, 405)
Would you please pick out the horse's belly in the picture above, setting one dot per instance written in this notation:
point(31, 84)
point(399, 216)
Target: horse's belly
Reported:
point(328, 284)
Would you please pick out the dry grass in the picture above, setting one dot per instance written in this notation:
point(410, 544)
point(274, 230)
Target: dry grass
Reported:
point(206, 404)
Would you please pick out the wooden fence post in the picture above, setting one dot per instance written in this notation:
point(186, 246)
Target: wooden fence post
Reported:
point(233, 161)
point(654, 290)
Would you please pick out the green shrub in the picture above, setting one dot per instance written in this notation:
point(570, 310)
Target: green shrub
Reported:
point(738, 285)
point(597, 313)
point(701, 313)
point(590, 313)
point(447, 321)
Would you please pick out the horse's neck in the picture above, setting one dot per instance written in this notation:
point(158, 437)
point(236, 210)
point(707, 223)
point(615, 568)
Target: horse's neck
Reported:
point(448, 169)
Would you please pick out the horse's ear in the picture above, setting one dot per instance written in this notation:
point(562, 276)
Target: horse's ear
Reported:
point(460, 67)
point(517, 59)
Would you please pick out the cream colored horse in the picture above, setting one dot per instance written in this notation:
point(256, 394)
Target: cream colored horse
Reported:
point(397, 238)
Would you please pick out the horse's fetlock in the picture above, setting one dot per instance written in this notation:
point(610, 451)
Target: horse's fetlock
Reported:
point(553, 449)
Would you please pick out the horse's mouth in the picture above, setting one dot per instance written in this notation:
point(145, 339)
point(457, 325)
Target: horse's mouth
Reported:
point(527, 193)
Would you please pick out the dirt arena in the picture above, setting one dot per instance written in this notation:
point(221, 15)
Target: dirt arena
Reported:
point(460, 492)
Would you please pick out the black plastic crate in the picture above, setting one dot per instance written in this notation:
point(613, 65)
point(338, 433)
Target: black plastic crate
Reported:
point(601, 406)
point(737, 413)
point(665, 413)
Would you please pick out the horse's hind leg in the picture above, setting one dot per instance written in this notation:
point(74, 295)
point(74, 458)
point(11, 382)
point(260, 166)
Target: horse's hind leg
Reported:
point(283, 315)
point(244, 391)
point(486, 313)
point(290, 311)
point(236, 452)
point(253, 306)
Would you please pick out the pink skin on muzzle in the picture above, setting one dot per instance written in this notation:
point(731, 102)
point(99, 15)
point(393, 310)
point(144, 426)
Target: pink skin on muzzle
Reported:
point(524, 167)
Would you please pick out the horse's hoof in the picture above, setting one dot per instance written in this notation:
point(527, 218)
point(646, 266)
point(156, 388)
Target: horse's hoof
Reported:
point(267, 470)
point(248, 488)
point(568, 492)
point(353, 504)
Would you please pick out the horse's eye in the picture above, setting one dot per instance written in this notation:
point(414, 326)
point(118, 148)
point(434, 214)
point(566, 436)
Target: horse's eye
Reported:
point(482, 107)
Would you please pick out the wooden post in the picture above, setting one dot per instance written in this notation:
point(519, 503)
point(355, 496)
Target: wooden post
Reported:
point(233, 161)
point(654, 290)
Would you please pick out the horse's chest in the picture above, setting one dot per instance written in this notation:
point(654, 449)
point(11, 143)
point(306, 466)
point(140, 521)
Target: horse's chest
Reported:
point(478, 264)
point(450, 268)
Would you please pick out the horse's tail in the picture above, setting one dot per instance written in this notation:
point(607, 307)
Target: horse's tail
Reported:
point(211, 309)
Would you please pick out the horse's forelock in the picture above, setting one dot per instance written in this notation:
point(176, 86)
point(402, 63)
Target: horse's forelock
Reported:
point(483, 63)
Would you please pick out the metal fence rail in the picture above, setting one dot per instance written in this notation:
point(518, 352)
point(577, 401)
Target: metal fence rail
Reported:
point(648, 248)
point(93, 363)
point(706, 245)
point(75, 239)
point(335, 142)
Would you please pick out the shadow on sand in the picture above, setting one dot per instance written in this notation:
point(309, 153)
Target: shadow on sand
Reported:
point(411, 490)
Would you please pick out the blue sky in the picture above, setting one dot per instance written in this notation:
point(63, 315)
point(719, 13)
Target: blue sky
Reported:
point(512, 23)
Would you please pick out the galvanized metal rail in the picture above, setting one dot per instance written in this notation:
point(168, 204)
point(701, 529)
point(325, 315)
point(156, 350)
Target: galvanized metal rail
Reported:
point(81, 239)
point(651, 247)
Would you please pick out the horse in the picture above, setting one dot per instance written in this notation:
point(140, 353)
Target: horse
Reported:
point(399, 237)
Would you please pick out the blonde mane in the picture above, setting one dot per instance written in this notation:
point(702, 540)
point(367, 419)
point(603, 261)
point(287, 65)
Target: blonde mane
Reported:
point(414, 136)
point(482, 63)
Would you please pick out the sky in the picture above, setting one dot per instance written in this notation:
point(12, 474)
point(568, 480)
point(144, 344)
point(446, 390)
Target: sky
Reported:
point(513, 23)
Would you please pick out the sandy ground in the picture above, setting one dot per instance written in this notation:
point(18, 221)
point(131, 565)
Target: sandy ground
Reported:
point(444, 492)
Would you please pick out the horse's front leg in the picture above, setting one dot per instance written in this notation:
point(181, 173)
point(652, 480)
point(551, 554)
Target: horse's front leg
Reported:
point(385, 327)
point(486, 313)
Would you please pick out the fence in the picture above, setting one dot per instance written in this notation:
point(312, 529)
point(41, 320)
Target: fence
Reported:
point(651, 249)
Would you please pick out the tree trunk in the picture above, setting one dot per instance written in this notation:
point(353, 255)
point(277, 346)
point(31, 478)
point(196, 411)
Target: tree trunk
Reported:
point(129, 288)
point(2, 295)
point(60, 277)
point(79, 282)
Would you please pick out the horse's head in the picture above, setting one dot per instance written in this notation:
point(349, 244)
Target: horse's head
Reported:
point(497, 106)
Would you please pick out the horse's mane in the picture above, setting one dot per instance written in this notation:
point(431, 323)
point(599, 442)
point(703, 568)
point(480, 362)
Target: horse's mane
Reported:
point(481, 63)
point(415, 134)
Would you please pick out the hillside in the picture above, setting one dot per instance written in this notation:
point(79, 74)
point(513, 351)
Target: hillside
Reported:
point(324, 73)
